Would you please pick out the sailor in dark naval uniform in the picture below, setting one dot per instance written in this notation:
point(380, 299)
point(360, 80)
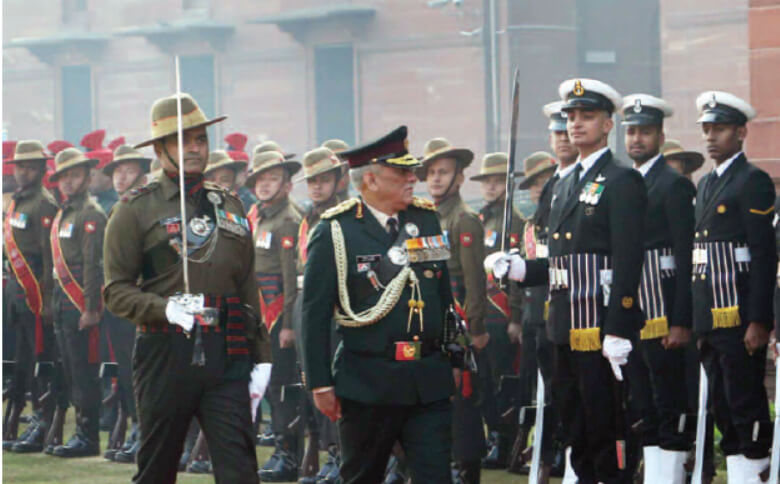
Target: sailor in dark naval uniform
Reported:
point(593, 270)
point(657, 388)
point(733, 261)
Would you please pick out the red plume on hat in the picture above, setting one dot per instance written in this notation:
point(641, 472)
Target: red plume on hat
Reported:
point(58, 145)
point(8, 153)
point(116, 143)
point(50, 169)
point(236, 144)
point(93, 142)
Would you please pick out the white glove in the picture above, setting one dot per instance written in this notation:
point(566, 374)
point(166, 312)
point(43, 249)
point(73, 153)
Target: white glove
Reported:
point(182, 308)
point(505, 263)
point(616, 350)
point(258, 382)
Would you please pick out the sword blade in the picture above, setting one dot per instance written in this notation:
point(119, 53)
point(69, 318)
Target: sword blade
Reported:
point(536, 456)
point(182, 205)
point(701, 427)
point(774, 465)
point(510, 166)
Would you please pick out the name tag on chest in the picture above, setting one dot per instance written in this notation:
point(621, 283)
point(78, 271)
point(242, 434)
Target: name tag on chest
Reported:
point(66, 231)
point(19, 220)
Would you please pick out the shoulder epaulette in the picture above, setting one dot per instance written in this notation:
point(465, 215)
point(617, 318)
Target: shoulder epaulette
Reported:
point(140, 191)
point(340, 208)
point(423, 203)
point(208, 185)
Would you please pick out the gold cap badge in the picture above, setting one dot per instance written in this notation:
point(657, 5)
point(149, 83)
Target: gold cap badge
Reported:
point(578, 89)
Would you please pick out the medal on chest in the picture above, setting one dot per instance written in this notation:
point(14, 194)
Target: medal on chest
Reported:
point(66, 231)
point(490, 238)
point(19, 220)
point(591, 193)
point(263, 240)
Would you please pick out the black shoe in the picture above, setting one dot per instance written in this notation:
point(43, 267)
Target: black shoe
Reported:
point(200, 467)
point(9, 444)
point(77, 446)
point(494, 459)
point(26, 419)
point(283, 469)
point(49, 449)
point(330, 470)
point(110, 454)
point(266, 439)
point(127, 456)
point(32, 442)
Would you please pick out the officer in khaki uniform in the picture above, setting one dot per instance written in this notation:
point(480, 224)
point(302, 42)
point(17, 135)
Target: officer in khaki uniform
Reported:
point(275, 225)
point(76, 242)
point(127, 171)
point(503, 311)
point(193, 352)
point(390, 381)
point(323, 173)
point(223, 169)
point(27, 248)
point(274, 146)
point(337, 146)
point(442, 170)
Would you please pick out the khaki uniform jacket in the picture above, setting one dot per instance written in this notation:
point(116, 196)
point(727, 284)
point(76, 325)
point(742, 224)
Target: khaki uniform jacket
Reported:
point(142, 269)
point(276, 250)
point(467, 253)
point(81, 230)
point(492, 217)
point(38, 207)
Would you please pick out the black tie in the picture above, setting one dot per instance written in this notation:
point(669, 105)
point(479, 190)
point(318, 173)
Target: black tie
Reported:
point(711, 181)
point(575, 180)
point(392, 228)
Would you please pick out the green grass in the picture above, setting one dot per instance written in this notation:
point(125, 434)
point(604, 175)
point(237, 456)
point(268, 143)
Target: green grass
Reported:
point(44, 469)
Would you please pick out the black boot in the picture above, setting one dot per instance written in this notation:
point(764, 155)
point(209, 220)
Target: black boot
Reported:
point(32, 439)
point(78, 446)
point(111, 454)
point(283, 465)
point(267, 438)
point(11, 427)
point(127, 456)
point(200, 467)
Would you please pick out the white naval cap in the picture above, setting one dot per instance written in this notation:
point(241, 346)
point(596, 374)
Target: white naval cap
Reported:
point(644, 110)
point(589, 94)
point(723, 107)
point(557, 117)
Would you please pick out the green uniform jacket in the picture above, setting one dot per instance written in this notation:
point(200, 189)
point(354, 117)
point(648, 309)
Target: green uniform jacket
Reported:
point(81, 238)
point(32, 237)
point(492, 217)
point(136, 241)
point(276, 243)
point(467, 249)
point(364, 368)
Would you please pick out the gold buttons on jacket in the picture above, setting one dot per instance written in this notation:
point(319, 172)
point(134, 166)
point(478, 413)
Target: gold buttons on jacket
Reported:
point(703, 277)
point(697, 235)
point(556, 236)
point(706, 232)
point(568, 235)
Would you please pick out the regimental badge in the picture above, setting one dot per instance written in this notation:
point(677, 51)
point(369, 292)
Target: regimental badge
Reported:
point(19, 220)
point(627, 302)
point(288, 243)
point(199, 226)
point(466, 239)
point(172, 227)
point(713, 102)
point(578, 89)
point(90, 227)
point(637, 106)
point(46, 222)
point(263, 240)
point(600, 178)
point(411, 229)
point(407, 350)
point(514, 239)
point(397, 256)
point(66, 231)
point(215, 198)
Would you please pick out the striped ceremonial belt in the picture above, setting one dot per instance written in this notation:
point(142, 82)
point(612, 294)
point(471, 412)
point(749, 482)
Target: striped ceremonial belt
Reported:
point(658, 265)
point(587, 278)
point(722, 262)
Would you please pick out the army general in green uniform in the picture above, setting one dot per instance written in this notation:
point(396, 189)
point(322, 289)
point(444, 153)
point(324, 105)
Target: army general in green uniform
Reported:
point(378, 265)
point(193, 355)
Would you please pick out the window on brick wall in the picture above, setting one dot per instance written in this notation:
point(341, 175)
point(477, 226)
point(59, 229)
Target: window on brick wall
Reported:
point(334, 92)
point(197, 79)
point(76, 102)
